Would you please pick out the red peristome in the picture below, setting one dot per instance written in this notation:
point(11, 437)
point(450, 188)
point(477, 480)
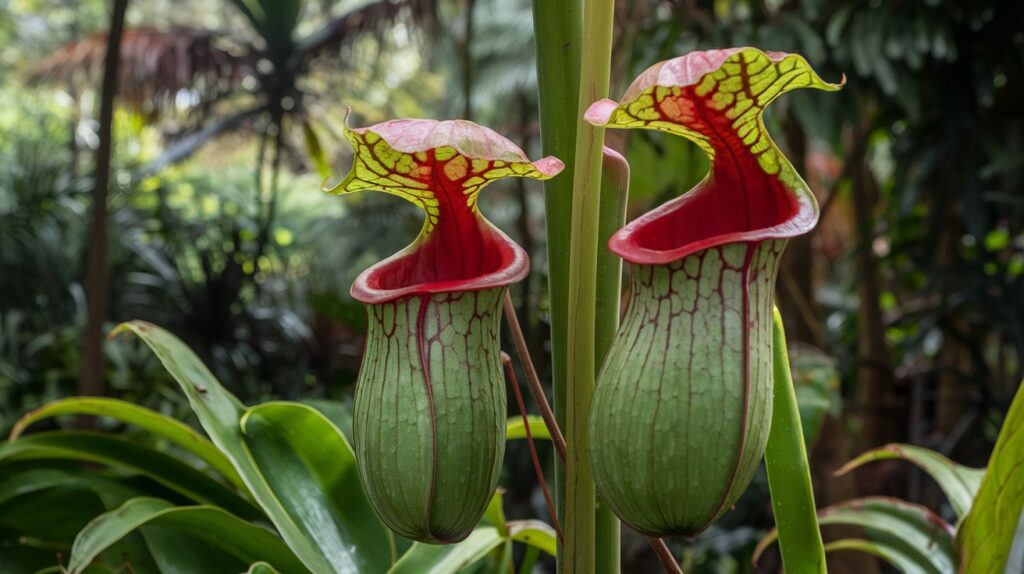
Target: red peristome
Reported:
point(464, 252)
point(441, 166)
point(738, 201)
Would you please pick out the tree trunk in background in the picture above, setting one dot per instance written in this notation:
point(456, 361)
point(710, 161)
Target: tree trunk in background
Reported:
point(881, 420)
point(796, 277)
point(467, 61)
point(90, 380)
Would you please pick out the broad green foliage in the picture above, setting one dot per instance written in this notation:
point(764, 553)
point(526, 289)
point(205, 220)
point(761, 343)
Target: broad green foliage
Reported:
point(245, 541)
point(988, 533)
point(916, 540)
point(109, 449)
point(158, 513)
point(913, 538)
point(693, 354)
point(959, 483)
point(174, 431)
point(318, 543)
point(309, 465)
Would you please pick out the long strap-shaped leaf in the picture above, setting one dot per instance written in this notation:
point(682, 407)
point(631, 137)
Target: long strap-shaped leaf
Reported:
point(515, 428)
point(895, 556)
point(789, 474)
point(987, 534)
point(959, 483)
point(451, 558)
point(316, 543)
point(119, 452)
point(163, 426)
point(245, 541)
point(919, 541)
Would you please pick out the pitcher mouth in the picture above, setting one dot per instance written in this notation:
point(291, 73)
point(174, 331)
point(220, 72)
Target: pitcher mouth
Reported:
point(708, 216)
point(715, 99)
point(441, 167)
point(430, 267)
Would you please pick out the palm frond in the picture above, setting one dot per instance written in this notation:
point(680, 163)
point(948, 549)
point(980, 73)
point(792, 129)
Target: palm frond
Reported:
point(373, 17)
point(174, 70)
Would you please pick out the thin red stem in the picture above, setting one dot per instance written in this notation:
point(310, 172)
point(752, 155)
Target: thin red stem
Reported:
point(507, 362)
point(659, 546)
point(536, 389)
point(664, 554)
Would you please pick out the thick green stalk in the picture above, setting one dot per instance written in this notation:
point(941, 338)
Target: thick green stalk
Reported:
point(580, 506)
point(557, 35)
point(789, 475)
point(614, 195)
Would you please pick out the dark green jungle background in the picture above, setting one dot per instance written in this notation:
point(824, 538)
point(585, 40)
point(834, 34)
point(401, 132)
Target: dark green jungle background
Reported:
point(906, 304)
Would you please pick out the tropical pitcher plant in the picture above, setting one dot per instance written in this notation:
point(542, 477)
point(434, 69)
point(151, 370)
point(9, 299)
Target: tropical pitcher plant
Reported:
point(429, 426)
point(660, 419)
point(683, 404)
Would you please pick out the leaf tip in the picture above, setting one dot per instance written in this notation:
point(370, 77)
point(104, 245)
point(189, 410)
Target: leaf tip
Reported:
point(126, 327)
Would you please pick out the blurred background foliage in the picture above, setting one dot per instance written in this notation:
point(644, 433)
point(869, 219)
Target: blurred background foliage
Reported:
point(907, 302)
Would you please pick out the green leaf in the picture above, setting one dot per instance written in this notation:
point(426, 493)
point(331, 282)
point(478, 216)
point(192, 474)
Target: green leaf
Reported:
point(451, 558)
point(534, 533)
point(311, 468)
point(894, 556)
point(494, 514)
point(38, 525)
point(262, 568)
point(516, 429)
point(274, 20)
point(789, 478)
point(913, 533)
point(163, 426)
point(120, 452)
point(245, 541)
point(315, 151)
point(987, 534)
point(220, 413)
point(817, 389)
point(958, 482)
point(15, 482)
point(338, 412)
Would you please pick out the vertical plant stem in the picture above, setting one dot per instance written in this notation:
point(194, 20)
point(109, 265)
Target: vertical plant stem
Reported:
point(580, 504)
point(614, 195)
point(467, 60)
point(789, 475)
point(557, 29)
